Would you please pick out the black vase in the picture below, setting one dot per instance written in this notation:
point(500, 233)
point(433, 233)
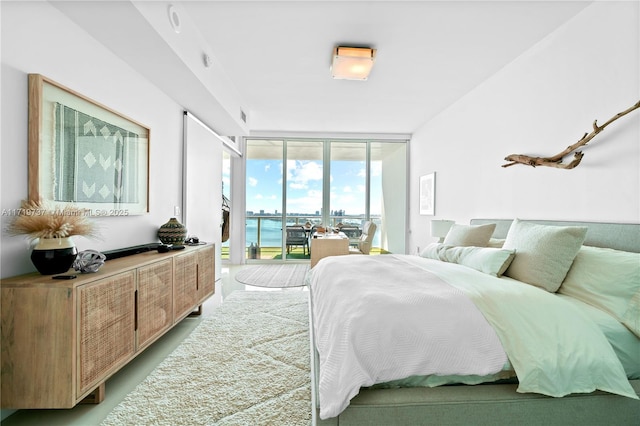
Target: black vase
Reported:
point(54, 255)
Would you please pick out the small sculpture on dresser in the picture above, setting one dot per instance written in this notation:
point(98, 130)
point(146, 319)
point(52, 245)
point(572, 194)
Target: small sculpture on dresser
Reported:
point(89, 261)
point(172, 232)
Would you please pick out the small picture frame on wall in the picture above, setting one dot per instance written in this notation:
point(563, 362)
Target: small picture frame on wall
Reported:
point(84, 153)
point(427, 194)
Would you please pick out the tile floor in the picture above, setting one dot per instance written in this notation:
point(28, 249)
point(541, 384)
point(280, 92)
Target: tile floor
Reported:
point(123, 382)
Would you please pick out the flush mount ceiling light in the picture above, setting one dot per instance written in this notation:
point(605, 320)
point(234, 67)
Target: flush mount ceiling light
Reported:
point(352, 63)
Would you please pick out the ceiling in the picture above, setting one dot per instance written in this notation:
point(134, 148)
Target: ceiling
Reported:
point(277, 55)
point(430, 54)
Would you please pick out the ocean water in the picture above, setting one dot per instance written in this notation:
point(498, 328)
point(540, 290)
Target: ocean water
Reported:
point(270, 232)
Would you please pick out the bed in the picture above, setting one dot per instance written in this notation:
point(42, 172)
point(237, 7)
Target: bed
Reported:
point(500, 373)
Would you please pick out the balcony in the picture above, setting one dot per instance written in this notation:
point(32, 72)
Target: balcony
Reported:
point(264, 232)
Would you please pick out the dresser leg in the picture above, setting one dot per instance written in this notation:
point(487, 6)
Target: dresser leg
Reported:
point(197, 312)
point(95, 397)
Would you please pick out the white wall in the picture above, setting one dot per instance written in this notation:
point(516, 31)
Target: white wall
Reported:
point(37, 38)
point(539, 104)
point(202, 196)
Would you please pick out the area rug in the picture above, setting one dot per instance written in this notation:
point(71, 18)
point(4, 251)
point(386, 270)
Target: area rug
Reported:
point(273, 275)
point(246, 364)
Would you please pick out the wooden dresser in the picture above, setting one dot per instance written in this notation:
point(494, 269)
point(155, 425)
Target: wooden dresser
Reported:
point(62, 339)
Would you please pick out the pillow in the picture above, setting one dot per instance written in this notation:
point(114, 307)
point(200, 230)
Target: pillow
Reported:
point(609, 280)
point(543, 253)
point(469, 235)
point(492, 261)
point(495, 242)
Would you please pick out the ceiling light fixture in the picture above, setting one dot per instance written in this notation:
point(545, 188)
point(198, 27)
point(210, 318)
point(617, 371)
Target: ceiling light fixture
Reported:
point(352, 63)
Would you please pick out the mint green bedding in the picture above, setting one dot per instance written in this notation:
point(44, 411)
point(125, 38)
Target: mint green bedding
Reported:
point(541, 334)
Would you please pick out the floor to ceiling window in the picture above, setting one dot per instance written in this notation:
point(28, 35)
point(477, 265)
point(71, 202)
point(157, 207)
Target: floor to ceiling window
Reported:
point(264, 180)
point(292, 182)
point(348, 183)
point(304, 182)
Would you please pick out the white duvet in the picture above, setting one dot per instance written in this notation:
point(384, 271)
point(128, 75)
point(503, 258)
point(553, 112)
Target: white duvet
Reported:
point(384, 318)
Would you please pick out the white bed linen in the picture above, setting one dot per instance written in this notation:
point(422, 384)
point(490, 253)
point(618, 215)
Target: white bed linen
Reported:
point(541, 333)
point(399, 325)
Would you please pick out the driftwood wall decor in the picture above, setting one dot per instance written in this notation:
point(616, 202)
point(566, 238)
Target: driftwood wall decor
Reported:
point(556, 160)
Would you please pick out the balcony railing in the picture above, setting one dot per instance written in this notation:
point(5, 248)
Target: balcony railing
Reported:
point(265, 232)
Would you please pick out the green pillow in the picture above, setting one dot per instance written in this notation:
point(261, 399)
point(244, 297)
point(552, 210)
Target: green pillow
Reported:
point(492, 261)
point(609, 280)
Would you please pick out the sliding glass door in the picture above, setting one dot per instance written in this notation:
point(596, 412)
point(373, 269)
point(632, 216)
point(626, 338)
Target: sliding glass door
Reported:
point(264, 214)
point(298, 182)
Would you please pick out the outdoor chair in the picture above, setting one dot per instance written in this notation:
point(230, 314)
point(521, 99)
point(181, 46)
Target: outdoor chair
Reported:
point(297, 236)
point(365, 240)
point(353, 232)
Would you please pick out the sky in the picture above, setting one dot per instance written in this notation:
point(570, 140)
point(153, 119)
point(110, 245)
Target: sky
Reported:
point(304, 186)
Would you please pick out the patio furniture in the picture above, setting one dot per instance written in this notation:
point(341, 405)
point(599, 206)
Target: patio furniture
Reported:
point(365, 240)
point(353, 232)
point(297, 236)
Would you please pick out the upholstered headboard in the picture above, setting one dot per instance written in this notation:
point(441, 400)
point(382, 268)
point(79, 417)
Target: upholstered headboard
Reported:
point(619, 236)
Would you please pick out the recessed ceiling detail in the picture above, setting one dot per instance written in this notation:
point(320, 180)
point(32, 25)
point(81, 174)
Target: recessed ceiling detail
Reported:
point(206, 59)
point(174, 19)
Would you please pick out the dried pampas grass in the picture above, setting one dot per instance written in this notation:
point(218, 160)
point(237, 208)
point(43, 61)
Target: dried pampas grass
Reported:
point(40, 219)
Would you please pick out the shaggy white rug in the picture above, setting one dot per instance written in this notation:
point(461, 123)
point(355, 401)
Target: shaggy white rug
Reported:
point(274, 275)
point(246, 364)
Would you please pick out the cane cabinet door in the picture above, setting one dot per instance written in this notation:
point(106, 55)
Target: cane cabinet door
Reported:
point(185, 284)
point(154, 301)
point(206, 272)
point(106, 328)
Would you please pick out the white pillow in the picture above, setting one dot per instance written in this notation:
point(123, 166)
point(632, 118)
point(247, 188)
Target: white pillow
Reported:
point(543, 253)
point(609, 280)
point(469, 235)
point(492, 261)
point(495, 242)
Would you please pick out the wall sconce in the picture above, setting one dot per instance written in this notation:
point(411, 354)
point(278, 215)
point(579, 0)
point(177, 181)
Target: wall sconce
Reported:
point(440, 228)
point(352, 63)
